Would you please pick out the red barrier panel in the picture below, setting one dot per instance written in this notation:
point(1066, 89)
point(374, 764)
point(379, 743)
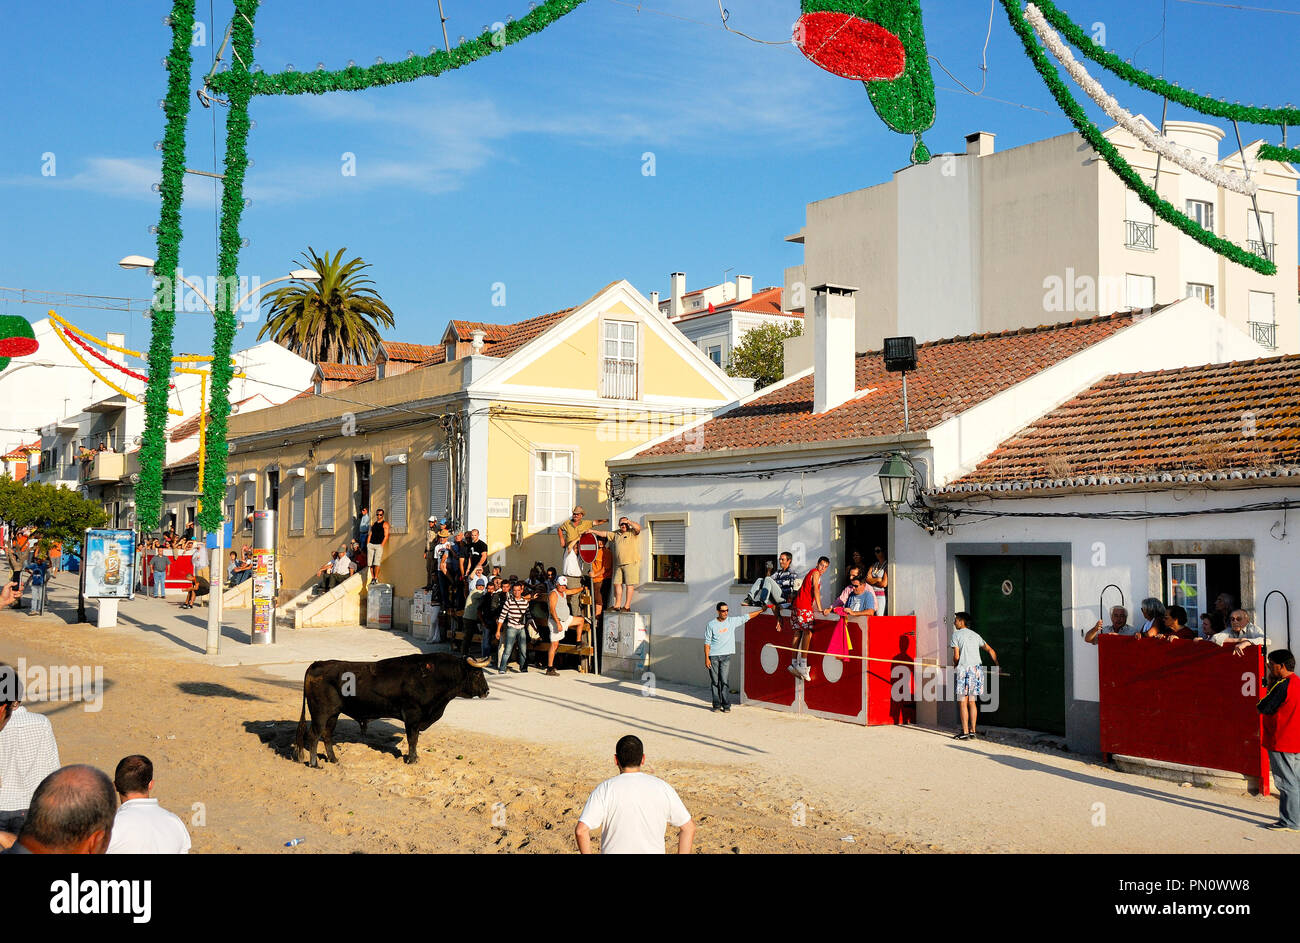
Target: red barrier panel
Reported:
point(179, 571)
point(837, 689)
point(1187, 702)
point(766, 677)
point(892, 638)
point(855, 690)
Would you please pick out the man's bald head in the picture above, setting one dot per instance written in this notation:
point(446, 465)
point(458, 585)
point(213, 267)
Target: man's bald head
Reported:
point(71, 813)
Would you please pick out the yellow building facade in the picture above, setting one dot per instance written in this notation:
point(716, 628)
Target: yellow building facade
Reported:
point(504, 436)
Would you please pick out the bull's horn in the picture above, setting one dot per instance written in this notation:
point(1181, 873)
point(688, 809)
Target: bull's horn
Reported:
point(478, 662)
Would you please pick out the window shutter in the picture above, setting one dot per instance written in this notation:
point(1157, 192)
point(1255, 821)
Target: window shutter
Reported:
point(250, 501)
point(756, 536)
point(438, 490)
point(668, 538)
point(298, 506)
point(397, 498)
point(327, 486)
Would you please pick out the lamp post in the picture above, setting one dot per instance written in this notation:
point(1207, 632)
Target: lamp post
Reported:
point(897, 475)
point(218, 557)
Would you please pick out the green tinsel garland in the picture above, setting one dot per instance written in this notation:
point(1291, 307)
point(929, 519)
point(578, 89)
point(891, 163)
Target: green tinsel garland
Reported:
point(1092, 134)
point(239, 89)
point(407, 70)
point(1284, 154)
point(1076, 37)
point(153, 451)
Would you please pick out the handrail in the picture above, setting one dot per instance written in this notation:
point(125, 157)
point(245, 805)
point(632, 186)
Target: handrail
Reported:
point(1264, 611)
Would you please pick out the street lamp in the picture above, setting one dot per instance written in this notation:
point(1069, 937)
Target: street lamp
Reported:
point(895, 477)
point(297, 275)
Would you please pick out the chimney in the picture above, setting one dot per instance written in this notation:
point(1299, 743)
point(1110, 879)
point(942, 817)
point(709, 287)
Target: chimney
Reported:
point(834, 357)
point(677, 288)
point(654, 301)
point(744, 287)
point(979, 144)
point(476, 344)
point(118, 340)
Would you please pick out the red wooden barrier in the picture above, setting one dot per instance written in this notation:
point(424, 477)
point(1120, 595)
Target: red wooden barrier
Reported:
point(854, 690)
point(179, 571)
point(1188, 702)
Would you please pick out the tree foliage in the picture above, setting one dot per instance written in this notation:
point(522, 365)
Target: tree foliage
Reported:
point(57, 513)
point(761, 354)
point(335, 319)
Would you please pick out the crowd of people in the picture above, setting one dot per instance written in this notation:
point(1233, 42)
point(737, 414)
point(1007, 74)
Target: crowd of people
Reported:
point(1224, 625)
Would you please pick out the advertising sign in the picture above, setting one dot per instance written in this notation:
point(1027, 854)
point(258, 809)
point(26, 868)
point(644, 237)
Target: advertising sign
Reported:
point(110, 564)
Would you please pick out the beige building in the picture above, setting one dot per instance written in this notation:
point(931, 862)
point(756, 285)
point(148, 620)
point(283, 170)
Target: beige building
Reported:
point(989, 241)
point(501, 428)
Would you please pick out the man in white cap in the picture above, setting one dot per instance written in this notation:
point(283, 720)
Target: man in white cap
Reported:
point(560, 620)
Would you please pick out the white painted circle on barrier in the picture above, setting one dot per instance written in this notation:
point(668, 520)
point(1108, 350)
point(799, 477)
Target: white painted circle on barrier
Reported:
point(769, 657)
point(832, 668)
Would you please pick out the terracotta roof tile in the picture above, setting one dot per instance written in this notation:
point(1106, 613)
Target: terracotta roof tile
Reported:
point(187, 460)
point(521, 332)
point(491, 332)
point(188, 427)
point(409, 353)
point(766, 301)
point(952, 375)
point(1216, 418)
point(355, 372)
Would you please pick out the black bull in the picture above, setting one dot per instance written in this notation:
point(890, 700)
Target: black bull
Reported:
point(414, 689)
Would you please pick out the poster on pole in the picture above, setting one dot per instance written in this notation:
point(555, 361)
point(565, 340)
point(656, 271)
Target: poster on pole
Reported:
point(109, 558)
point(263, 597)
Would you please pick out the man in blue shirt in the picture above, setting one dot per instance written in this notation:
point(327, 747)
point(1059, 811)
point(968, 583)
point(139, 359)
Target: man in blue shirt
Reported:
point(969, 671)
point(719, 646)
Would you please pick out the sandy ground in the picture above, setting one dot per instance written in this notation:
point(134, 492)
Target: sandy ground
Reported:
point(219, 738)
point(511, 772)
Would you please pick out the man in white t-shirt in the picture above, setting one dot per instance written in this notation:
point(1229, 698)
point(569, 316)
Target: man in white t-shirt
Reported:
point(633, 810)
point(142, 826)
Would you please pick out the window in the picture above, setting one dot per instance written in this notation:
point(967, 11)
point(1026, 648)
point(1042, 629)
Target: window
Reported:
point(1139, 291)
point(1139, 223)
point(273, 489)
point(668, 551)
point(230, 503)
point(714, 352)
point(553, 486)
point(327, 487)
point(297, 504)
point(1202, 212)
point(755, 545)
point(1259, 240)
point(438, 500)
point(1186, 588)
point(1263, 319)
point(1203, 293)
point(250, 505)
point(619, 360)
point(397, 497)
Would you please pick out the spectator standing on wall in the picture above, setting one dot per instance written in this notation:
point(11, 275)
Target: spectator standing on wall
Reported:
point(625, 550)
point(375, 544)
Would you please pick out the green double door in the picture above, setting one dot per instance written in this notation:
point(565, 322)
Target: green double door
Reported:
point(1016, 607)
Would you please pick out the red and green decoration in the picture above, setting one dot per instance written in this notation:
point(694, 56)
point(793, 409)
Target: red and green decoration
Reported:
point(880, 43)
point(16, 339)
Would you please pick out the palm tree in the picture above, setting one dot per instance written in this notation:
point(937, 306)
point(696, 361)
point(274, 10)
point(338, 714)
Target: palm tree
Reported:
point(335, 319)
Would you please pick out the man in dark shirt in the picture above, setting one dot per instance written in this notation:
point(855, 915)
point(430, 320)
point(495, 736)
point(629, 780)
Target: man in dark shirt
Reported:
point(477, 551)
point(1281, 710)
point(375, 541)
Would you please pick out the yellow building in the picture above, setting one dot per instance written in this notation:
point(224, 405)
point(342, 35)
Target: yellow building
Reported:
point(503, 428)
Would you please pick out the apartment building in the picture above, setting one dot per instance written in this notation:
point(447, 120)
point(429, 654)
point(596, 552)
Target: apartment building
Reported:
point(990, 241)
point(717, 318)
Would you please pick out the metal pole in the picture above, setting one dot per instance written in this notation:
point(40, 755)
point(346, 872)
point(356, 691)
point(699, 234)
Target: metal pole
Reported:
point(216, 583)
point(907, 426)
point(445, 41)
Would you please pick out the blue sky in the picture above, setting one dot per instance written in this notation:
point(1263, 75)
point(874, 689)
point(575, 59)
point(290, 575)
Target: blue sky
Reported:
point(524, 168)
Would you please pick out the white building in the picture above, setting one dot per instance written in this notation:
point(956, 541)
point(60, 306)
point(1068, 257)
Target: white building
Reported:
point(988, 241)
point(716, 319)
point(47, 386)
point(94, 449)
point(794, 467)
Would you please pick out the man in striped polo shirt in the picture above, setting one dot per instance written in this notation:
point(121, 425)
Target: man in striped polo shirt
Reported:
point(514, 618)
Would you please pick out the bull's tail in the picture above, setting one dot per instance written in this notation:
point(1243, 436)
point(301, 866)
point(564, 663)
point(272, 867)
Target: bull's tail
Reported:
point(301, 735)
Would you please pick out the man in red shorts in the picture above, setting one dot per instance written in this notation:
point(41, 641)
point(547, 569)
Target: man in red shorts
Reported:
point(807, 603)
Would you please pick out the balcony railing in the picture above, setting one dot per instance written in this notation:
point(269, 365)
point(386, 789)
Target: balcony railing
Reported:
point(1140, 235)
point(1264, 334)
point(1264, 250)
point(620, 379)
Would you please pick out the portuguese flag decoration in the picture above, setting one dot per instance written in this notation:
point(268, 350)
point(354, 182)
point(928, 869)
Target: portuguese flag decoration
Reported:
point(16, 338)
point(880, 43)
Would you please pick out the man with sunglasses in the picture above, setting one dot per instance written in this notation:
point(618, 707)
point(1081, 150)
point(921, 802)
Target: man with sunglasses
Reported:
point(377, 537)
point(719, 646)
